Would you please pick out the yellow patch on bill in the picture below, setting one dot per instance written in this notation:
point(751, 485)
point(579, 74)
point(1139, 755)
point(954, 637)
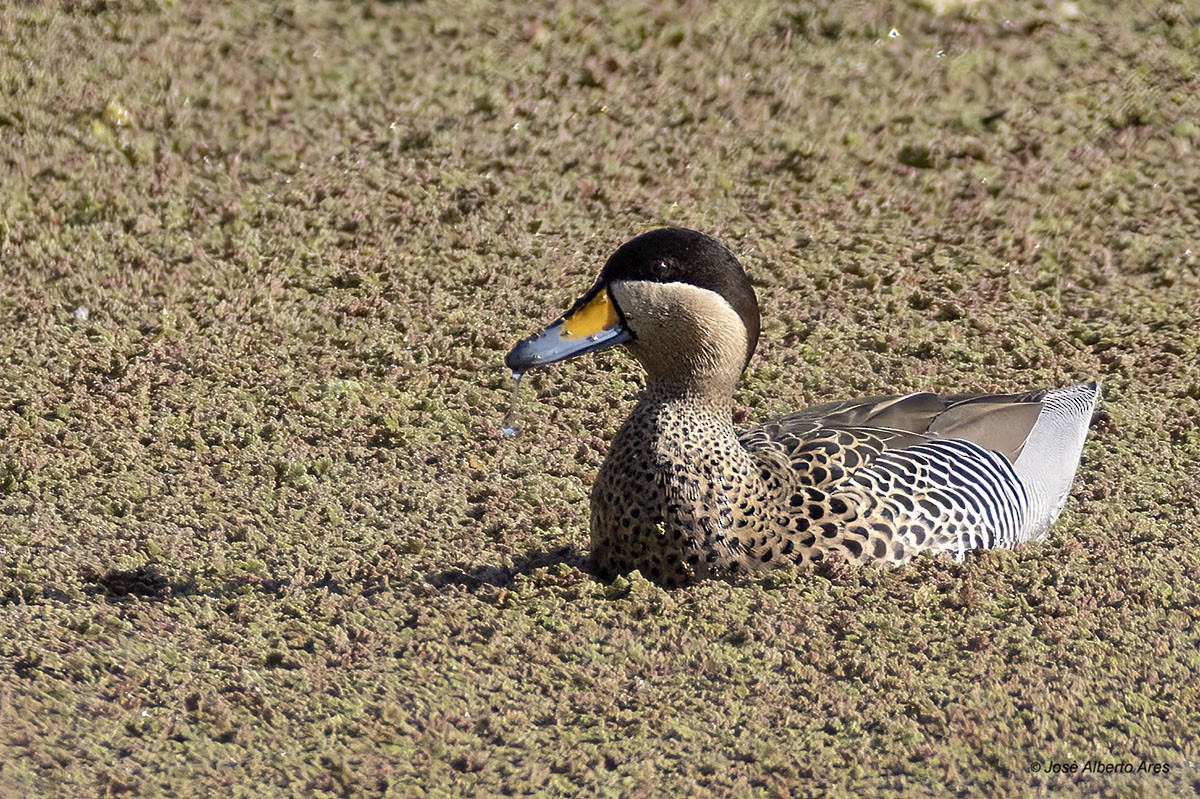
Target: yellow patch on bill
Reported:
point(599, 314)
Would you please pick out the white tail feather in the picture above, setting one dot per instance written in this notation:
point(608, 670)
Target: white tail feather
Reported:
point(1051, 453)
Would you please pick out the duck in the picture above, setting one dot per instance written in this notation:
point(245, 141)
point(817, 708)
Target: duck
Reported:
point(683, 496)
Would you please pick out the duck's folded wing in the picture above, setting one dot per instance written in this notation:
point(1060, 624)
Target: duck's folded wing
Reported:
point(823, 444)
point(997, 422)
point(910, 412)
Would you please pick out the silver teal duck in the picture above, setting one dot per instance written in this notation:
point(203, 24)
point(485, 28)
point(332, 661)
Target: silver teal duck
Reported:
point(684, 496)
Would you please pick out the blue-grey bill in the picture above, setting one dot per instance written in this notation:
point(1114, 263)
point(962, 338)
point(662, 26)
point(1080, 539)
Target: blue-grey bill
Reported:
point(550, 346)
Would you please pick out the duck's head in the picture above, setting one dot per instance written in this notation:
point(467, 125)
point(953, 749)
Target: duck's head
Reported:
point(677, 299)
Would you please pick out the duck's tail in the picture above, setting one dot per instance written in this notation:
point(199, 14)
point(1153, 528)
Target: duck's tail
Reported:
point(1051, 453)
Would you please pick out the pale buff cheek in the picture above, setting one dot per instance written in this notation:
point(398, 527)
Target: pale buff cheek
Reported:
point(682, 328)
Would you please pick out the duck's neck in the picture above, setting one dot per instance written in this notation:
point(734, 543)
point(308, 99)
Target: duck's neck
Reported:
point(679, 414)
point(709, 393)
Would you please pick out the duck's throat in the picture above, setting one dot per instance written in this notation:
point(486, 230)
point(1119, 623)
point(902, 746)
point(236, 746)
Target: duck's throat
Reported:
point(682, 395)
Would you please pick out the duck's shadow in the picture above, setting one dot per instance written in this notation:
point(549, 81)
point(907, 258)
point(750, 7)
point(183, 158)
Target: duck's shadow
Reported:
point(503, 576)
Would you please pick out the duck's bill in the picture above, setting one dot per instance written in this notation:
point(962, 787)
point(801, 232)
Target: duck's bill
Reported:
point(593, 324)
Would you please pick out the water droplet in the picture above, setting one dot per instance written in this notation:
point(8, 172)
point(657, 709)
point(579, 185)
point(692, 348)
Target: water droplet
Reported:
point(511, 426)
point(81, 313)
point(940, 54)
point(894, 34)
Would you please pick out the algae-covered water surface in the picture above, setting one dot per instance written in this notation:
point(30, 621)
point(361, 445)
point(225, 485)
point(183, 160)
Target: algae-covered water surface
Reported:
point(261, 533)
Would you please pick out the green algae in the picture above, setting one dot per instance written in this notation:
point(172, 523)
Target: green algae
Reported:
point(261, 534)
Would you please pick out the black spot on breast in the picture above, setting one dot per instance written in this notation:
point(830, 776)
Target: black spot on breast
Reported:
point(837, 506)
point(879, 548)
point(853, 548)
point(829, 530)
point(819, 475)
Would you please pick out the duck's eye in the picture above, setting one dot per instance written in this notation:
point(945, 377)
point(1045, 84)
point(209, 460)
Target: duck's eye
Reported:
point(660, 268)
